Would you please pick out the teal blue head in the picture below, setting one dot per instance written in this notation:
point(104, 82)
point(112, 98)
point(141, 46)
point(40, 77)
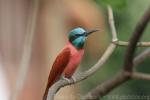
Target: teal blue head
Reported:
point(78, 36)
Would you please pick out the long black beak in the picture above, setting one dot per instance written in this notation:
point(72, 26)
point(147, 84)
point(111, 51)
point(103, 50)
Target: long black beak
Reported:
point(90, 32)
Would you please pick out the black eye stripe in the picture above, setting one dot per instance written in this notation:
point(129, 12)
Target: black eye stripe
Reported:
point(72, 38)
point(78, 34)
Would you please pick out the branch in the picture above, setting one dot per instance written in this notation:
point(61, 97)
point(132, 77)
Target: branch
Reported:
point(137, 75)
point(106, 87)
point(93, 69)
point(137, 33)
point(141, 57)
point(112, 25)
point(139, 44)
point(124, 75)
point(119, 79)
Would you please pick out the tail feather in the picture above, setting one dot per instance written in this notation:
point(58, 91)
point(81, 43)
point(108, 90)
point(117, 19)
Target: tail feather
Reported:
point(49, 84)
point(45, 94)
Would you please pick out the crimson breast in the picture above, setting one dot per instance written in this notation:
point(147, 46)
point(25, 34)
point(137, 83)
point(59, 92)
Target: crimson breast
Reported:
point(75, 59)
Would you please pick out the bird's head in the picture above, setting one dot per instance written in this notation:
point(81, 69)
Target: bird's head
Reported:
point(78, 36)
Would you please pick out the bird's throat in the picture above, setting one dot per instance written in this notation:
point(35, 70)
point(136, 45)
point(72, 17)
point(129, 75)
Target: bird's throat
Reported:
point(78, 43)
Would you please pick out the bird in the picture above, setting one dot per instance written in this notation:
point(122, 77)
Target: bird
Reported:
point(69, 57)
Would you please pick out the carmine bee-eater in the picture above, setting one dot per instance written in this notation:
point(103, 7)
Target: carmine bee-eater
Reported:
point(69, 58)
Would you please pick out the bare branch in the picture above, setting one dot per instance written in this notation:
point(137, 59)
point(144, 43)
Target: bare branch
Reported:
point(139, 44)
point(137, 33)
point(141, 57)
point(112, 25)
point(138, 75)
point(26, 55)
point(124, 75)
point(112, 83)
point(106, 86)
point(119, 79)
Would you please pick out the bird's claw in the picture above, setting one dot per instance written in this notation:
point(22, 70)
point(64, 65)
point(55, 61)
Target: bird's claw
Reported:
point(73, 79)
point(69, 80)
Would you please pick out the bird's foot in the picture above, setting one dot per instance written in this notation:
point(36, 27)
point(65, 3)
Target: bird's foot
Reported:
point(69, 80)
point(73, 79)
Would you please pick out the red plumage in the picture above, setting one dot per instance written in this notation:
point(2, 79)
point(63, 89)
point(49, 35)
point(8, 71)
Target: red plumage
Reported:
point(65, 64)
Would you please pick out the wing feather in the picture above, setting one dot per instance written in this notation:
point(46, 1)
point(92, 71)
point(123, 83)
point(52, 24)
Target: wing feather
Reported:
point(57, 69)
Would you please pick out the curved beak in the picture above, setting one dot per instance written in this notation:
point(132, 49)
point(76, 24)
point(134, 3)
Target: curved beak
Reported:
point(90, 32)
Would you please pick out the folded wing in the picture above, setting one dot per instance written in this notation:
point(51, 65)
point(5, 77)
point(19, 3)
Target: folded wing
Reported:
point(57, 69)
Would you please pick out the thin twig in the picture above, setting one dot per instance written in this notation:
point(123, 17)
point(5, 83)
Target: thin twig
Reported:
point(112, 24)
point(26, 55)
point(138, 75)
point(141, 57)
point(139, 44)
